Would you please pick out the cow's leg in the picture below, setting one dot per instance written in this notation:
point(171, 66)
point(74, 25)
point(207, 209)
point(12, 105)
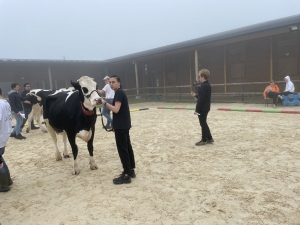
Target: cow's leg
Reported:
point(54, 139)
point(65, 154)
point(30, 118)
point(90, 147)
point(71, 137)
point(38, 116)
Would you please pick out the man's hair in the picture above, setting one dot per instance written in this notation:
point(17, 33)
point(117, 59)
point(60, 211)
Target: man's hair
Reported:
point(25, 84)
point(0, 91)
point(13, 85)
point(204, 73)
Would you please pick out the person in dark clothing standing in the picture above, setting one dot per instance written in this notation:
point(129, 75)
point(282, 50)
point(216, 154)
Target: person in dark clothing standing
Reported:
point(15, 100)
point(121, 125)
point(27, 107)
point(203, 106)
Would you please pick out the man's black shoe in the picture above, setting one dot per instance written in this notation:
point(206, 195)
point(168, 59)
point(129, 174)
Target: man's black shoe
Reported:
point(34, 128)
point(12, 135)
point(122, 179)
point(210, 141)
point(20, 137)
point(132, 174)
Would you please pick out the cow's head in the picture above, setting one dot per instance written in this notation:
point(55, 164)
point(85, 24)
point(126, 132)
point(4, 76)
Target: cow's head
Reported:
point(87, 88)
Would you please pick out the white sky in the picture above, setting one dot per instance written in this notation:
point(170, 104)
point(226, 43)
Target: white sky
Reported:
point(104, 29)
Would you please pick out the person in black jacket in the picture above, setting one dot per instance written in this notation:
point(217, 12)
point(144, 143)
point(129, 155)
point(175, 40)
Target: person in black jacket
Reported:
point(15, 100)
point(203, 106)
point(27, 107)
point(121, 125)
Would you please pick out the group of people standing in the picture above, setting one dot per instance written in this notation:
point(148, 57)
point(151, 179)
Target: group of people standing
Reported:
point(19, 103)
point(115, 100)
point(272, 91)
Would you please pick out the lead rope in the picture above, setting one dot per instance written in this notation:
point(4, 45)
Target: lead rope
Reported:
point(103, 122)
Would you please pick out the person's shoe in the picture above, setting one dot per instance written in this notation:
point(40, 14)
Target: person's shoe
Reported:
point(274, 106)
point(280, 96)
point(210, 141)
point(4, 182)
point(13, 134)
point(132, 174)
point(201, 143)
point(122, 179)
point(34, 128)
point(108, 126)
point(20, 137)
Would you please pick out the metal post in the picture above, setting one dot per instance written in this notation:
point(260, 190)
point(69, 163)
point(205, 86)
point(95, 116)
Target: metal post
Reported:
point(137, 81)
point(225, 78)
point(196, 64)
point(50, 78)
point(271, 59)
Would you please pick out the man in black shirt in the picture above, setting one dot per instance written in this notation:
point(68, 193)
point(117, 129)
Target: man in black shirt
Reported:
point(15, 100)
point(121, 125)
point(203, 106)
point(27, 107)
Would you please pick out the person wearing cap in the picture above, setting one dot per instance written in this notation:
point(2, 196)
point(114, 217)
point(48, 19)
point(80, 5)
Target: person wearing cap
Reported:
point(109, 96)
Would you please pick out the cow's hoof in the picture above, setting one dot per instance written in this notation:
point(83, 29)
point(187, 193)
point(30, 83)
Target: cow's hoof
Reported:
point(94, 167)
point(27, 130)
point(58, 157)
point(44, 131)
point(75, 172)
point(66, 156)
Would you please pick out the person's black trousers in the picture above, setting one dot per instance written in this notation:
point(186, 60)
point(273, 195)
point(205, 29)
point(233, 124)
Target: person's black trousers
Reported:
point(274, 96)
point(206, 135)
point(125, 149)
point(27, 112)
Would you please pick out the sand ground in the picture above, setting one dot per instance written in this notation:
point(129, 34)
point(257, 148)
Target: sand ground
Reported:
point(250, 175)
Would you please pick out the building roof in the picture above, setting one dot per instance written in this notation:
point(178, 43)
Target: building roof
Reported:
point(265, 26)
point(49, 61)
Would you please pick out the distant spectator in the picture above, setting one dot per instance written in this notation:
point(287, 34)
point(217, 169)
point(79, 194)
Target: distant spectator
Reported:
point(272, 91)
point(27, 107)
point(289, 87)
point(15, 100)
point(109, 96)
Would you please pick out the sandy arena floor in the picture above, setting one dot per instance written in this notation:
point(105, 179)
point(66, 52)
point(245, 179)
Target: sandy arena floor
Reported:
point(250, 175)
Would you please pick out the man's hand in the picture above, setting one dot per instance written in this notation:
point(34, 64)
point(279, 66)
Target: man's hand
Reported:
point(27, 102)
point(193, 93)
point(1, 165)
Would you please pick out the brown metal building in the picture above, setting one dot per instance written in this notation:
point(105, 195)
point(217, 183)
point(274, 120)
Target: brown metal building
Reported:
point(255, 53)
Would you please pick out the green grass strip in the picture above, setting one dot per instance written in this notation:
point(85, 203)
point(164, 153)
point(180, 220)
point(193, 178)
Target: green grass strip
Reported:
point(271, 111)
point(190, 108)
point(240, 110)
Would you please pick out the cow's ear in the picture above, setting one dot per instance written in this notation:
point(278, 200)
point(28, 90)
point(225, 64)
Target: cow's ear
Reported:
point(75, 85)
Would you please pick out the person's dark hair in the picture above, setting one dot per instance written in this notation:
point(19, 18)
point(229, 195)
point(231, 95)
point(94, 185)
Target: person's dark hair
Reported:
point(0, 91)
point(117, 78)
point(13, 85)
point(25, 84)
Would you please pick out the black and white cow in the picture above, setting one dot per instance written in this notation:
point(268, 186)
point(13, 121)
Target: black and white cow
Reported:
point(37, 98)
point(74, 113)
